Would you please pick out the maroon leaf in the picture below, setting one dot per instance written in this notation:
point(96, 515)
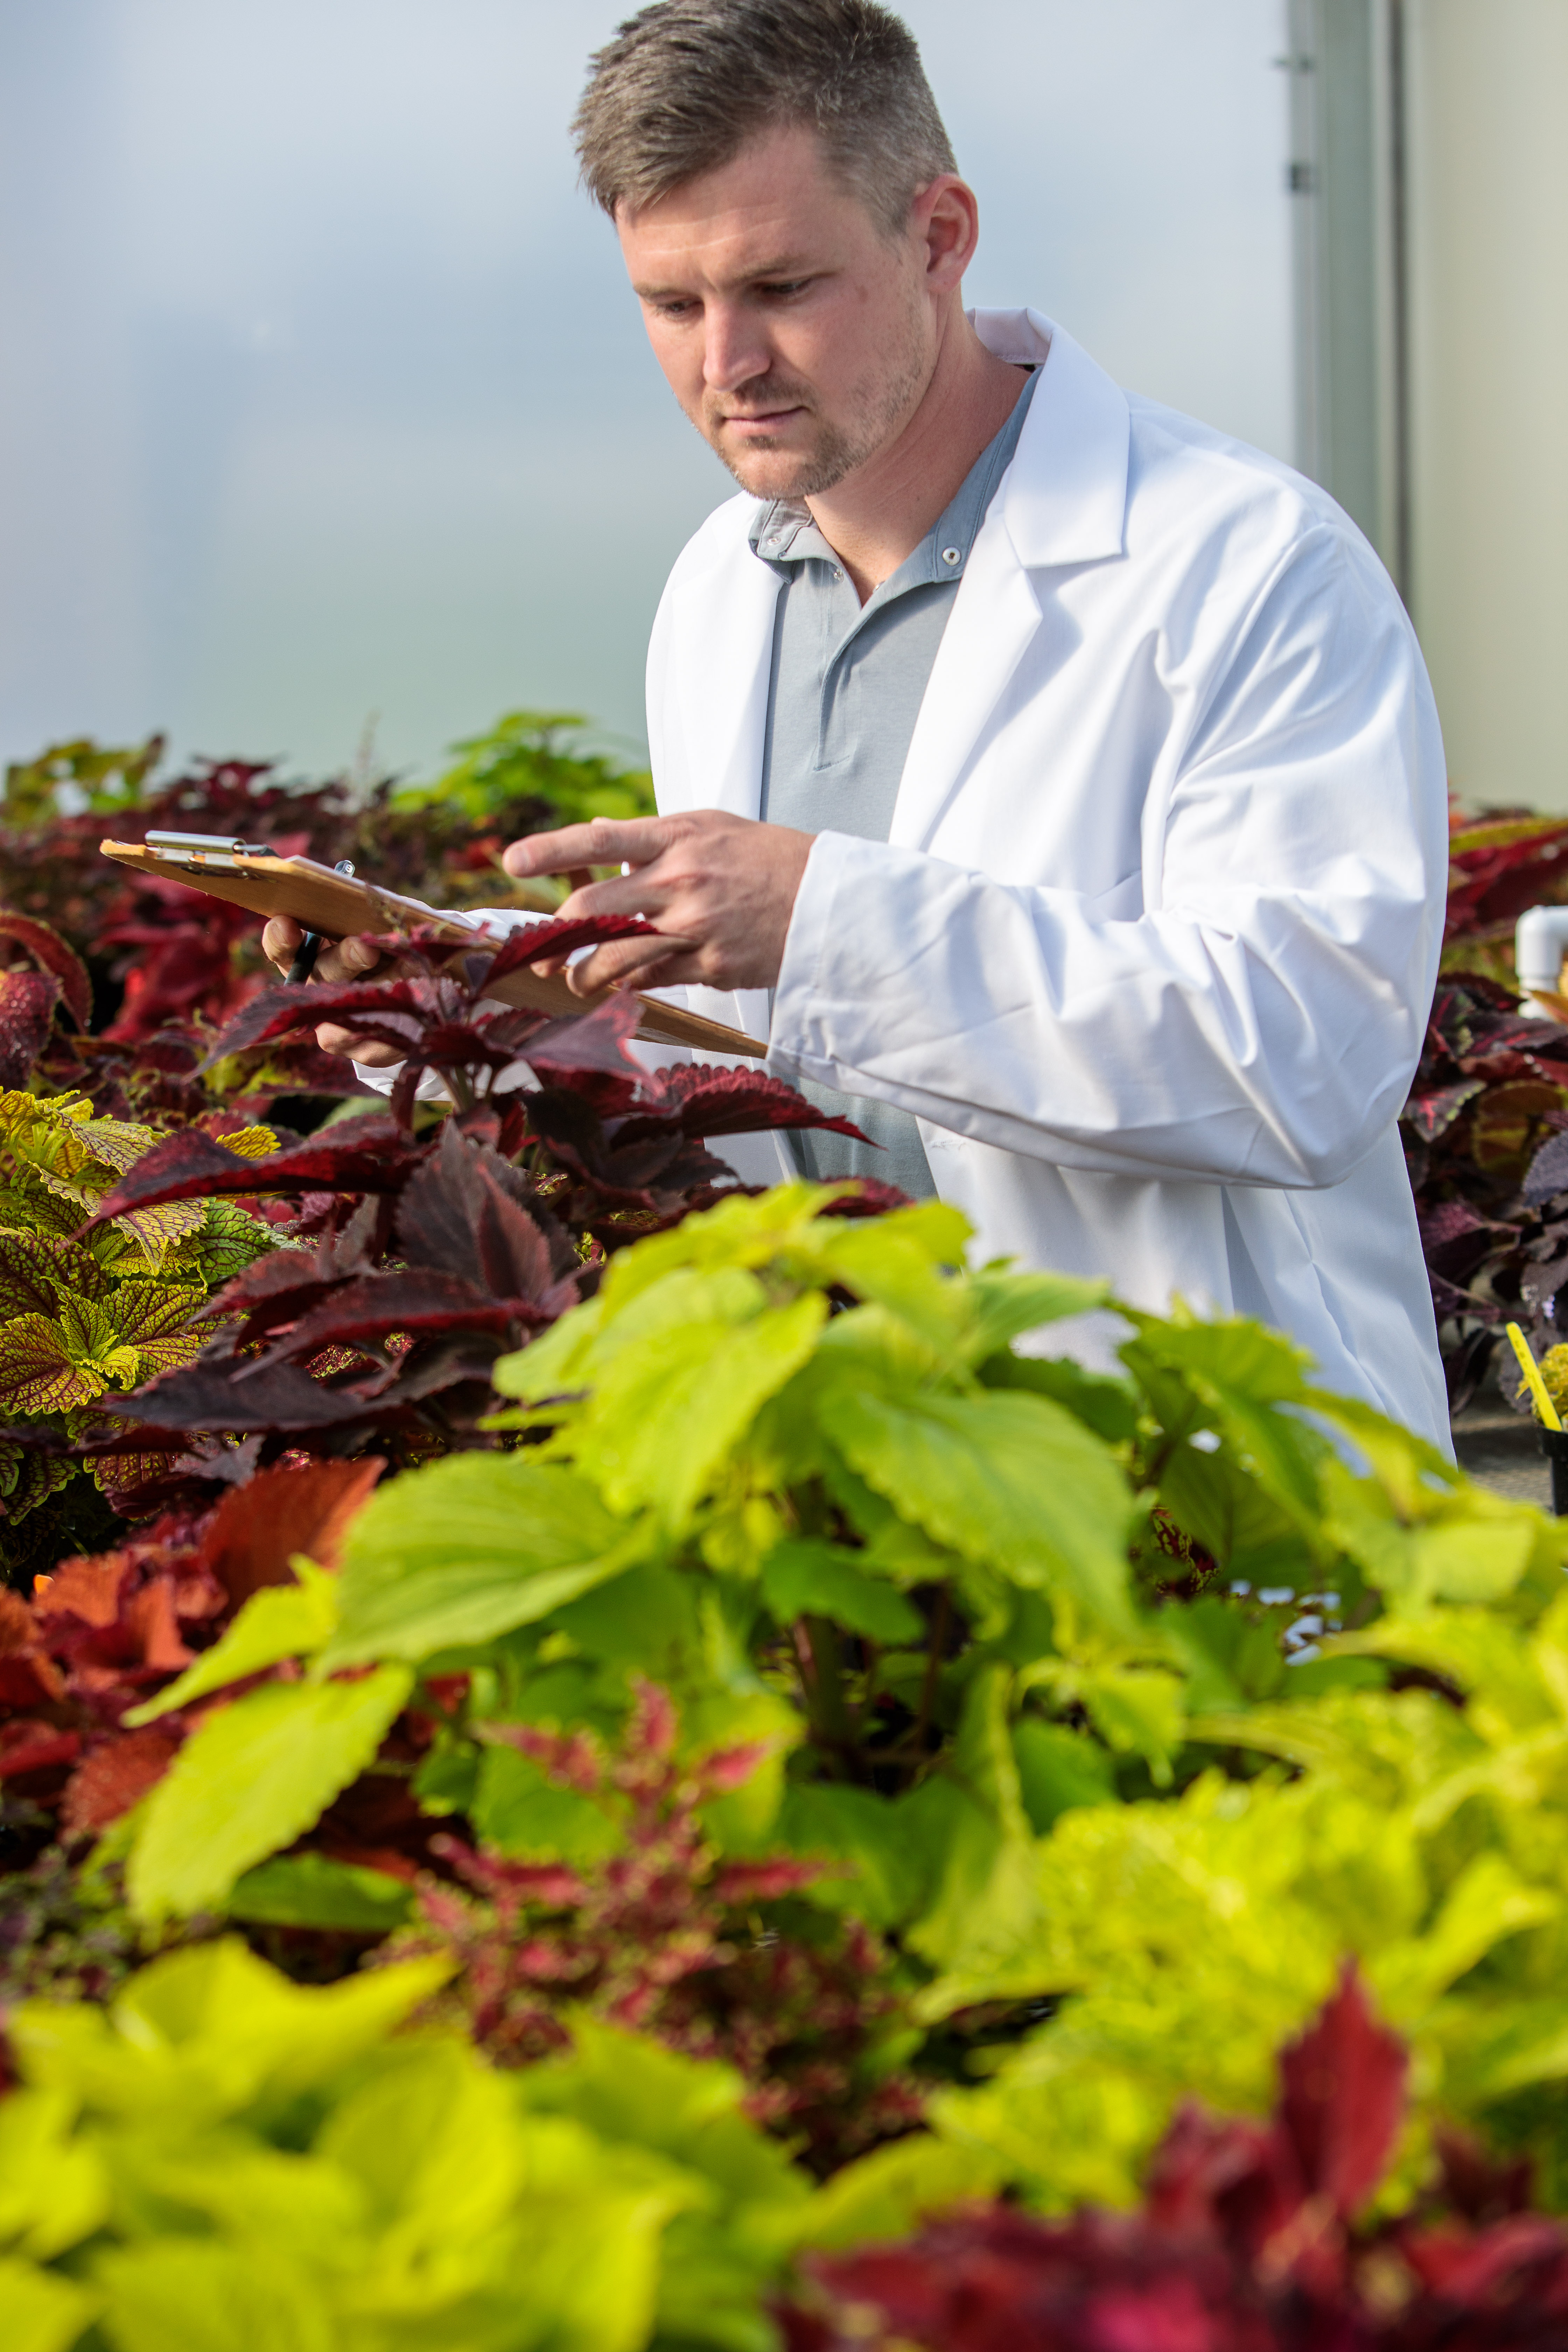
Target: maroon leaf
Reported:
point(368, 1310)
point(360, 1155)
point(651, 1170)
point(532, 943)
point(1548, 1172)
point(710, 1101)
point(455, 1215)
point(1430, 1114)
point(51, 954)
point(399, 1007)
point(592, 1055)
point(1342, 2098)
point(27, 1002)
point(204, 1396)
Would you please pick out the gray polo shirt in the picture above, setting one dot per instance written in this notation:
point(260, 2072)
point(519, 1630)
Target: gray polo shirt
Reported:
point(846, 688)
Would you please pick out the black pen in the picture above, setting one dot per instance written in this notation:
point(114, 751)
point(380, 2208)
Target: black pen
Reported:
point(309, 947)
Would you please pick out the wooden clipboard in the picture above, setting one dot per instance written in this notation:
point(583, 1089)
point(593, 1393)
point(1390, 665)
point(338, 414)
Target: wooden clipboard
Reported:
point(338, 904)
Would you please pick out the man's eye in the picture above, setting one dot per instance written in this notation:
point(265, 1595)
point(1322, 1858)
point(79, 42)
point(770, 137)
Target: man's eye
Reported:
point(677, 309)
point(784, 287)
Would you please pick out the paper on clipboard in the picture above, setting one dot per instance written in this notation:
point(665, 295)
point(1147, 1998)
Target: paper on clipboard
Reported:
point(338, 904)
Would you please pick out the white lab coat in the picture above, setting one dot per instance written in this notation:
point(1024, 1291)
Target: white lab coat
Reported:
point(1150, 950)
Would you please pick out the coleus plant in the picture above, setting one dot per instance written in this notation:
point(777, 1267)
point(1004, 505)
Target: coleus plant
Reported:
point(422, 1257)
point(160, 954)
point(650, 1928)
point(1252, 2237)
point(1490, 1093)
point(93, 1303)
point(1500, 864)
point(223, 2157)
point(790, 1468)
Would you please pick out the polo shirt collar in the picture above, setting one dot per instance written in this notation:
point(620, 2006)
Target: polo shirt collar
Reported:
point(1065, 496)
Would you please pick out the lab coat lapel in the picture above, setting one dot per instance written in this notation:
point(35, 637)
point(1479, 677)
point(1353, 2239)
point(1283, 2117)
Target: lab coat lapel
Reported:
point(1062, 501)
point(995, 617)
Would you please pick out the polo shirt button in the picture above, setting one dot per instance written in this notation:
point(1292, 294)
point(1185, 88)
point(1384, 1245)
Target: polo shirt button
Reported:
point(951, 555)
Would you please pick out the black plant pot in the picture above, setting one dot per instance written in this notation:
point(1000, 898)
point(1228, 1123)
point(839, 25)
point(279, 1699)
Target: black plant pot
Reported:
point(1554, 1445)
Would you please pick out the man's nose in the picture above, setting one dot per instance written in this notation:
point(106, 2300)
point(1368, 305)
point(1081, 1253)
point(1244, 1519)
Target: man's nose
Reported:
point(735, 347)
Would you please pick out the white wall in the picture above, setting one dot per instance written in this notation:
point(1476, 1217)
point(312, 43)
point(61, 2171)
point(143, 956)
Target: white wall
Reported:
point(1489, 214)
point(321, 394)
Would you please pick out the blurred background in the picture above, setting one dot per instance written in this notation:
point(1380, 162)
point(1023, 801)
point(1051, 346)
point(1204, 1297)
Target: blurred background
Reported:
point(324, 407)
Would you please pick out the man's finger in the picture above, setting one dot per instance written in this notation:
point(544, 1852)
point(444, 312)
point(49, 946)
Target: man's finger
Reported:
point(607, 841)
point(620, 962)
point(618, 894)
point(280, 940)
point(368, 1050)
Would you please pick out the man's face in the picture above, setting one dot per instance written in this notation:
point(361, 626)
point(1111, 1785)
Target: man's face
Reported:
point(797, 336)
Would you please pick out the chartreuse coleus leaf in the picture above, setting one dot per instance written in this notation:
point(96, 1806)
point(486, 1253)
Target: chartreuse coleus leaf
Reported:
point(202, 2032)
point(676, 1377)
point(251, 1778)
point(1002, 1477)
point(412, 2199)
point(44, 2312)
point(311, 1890)
point(824, 1580)
point(984, 1896)
point(469, 1548)
point(1420, 1531)
point(909, 1263)
point(281, 1621)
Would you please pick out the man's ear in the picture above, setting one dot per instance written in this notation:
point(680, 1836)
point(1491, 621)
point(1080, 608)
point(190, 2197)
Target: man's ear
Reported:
point(947, 219)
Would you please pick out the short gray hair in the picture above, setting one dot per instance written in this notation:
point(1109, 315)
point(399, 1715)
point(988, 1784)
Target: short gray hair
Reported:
point(685, 83)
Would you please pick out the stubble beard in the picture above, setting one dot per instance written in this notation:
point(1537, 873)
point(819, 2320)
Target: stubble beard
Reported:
point(879, 412)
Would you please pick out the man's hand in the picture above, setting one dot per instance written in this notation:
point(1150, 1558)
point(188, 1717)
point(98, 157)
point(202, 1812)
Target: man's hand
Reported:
point(721, 889)
point(348, 960)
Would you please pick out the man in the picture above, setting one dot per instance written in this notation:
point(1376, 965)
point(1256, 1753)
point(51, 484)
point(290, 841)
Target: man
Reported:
point(1055, 782)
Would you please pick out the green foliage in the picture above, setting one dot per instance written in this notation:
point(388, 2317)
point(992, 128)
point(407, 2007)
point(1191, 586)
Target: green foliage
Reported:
point(250, 1780)
point(525, 757)
point(224, 2159)
point(79, 777)
point(985, 1631)
point(89, 1307)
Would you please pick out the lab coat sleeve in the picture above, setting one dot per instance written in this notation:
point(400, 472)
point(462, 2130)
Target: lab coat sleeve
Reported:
point(1256, 1016)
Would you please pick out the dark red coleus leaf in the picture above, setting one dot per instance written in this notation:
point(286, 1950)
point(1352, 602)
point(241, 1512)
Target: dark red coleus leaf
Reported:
point(1342, 2098)
point(27, 1002)
point(29, 1744)
point(592, 1056)
point(706, 1100)
point(1430, 1114)
point(533, 943)
point(371, 1154)
point(457, 1214)
point(363, 1311)
point(25, 935)
point(655, 1167)
point(1548, 1172)
point(401, 1007)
